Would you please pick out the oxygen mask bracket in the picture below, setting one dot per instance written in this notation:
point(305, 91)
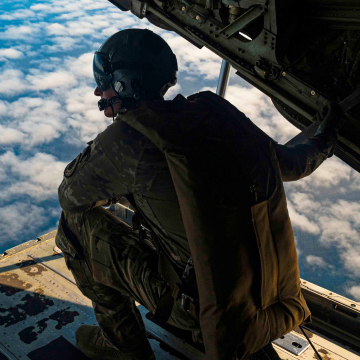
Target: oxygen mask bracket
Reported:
point(104, 103)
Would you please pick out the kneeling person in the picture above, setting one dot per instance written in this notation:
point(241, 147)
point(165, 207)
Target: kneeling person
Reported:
point(133, 70)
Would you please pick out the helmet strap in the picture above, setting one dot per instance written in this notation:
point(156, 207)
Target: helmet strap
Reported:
point(112, 109)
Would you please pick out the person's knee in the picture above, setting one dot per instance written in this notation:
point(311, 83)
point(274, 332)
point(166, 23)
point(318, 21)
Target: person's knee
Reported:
point(64, 235)
point(73, 222)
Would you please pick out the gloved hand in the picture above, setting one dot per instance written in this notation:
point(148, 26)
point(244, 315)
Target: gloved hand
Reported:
point(331, 119)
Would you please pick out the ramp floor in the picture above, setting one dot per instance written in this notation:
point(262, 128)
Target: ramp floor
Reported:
point(41, 308)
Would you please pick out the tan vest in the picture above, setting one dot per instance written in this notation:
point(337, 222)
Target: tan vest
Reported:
point(233, 204)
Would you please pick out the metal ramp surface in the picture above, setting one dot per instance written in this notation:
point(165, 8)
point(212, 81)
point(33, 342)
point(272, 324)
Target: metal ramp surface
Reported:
point(41, 308)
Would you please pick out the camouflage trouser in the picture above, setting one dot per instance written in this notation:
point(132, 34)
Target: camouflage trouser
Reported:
point(113, 268)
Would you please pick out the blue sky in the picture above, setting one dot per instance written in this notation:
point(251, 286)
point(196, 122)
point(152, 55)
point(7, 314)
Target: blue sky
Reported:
point(48, 112)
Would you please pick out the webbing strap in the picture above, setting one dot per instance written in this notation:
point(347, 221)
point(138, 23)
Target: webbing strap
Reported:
point(308, 339)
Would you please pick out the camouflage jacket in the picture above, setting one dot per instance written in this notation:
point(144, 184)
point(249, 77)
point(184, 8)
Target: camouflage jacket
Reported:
point(122, 161)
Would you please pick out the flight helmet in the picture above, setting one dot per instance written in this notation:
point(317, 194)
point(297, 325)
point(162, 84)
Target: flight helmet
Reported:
point(137, 64)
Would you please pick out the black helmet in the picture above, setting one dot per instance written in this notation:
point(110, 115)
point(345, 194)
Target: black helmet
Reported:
point(137, 64)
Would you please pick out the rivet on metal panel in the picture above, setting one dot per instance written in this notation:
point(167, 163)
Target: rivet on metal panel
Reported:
point(284, 73)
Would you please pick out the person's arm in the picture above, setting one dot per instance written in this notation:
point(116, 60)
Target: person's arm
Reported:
point(301, 160)
point(92, 179)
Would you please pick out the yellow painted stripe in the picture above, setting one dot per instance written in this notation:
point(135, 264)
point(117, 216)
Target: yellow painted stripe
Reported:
point(43, 242)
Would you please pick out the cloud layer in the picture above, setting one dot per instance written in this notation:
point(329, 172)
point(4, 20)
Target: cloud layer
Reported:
point(48, 112)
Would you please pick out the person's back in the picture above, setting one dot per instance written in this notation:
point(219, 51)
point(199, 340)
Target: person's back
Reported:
point(197, 170)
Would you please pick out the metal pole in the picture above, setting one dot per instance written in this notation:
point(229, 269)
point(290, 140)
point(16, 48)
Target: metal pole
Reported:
point(224, 78)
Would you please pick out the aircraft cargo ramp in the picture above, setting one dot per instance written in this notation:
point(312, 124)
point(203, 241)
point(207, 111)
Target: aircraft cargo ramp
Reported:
point(41, 308)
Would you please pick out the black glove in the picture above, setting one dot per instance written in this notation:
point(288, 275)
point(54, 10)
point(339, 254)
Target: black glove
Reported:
point(331, 119)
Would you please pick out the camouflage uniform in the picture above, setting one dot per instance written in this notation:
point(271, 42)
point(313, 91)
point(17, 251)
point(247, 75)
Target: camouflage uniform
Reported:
point(110, 265)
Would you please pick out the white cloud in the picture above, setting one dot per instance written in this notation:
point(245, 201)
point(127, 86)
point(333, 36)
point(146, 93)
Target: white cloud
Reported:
point(10, 53)
point(194, 61)
point(126, 22)
point(172, 92)
point(260, 110)
point(346, 210)
point(19, 14)
point(3, 107)
point(31, 121)
point(316, 261)
point(85, 118)
point(45, 81)
point(355, 181)
point(354, 291)
point(10, 135)
point(22, 32)
point(344, 238)
point(71, 15)
point(42, 7)
point(62, 43)
point(38, 176)
point(97, 25)
point(40, 119)
point(12, 82)
point(337, 232)
point(351, 260)
point(57, 29)
point(301, 222)
point(63, 102)
point(338, 223)
point(81, 66)
point(305, 203)
point(19, 218)
point(328, 175)
point(64, 6)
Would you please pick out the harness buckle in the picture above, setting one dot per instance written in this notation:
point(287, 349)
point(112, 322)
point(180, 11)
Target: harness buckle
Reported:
point(189, 304)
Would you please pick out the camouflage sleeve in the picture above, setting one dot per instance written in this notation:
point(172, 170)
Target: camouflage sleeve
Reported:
point(301, 160)
point(90, 180)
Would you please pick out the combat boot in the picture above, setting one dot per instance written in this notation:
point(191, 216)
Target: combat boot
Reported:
point(91, 341)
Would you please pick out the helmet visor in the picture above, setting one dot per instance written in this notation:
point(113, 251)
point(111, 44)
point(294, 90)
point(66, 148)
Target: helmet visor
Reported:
point(102, 77)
